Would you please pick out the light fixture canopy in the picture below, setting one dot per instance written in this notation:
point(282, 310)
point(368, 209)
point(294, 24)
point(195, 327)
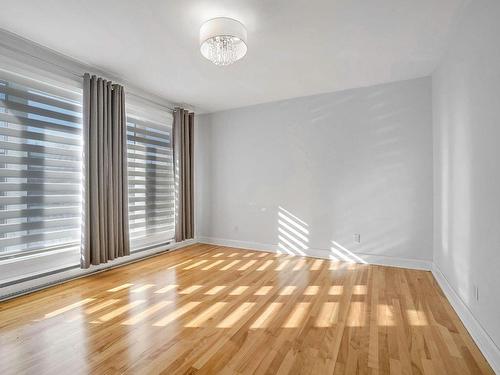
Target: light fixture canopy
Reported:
point(223, 40)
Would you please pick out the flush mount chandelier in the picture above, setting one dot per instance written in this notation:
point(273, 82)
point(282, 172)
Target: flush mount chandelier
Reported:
point(223, 40)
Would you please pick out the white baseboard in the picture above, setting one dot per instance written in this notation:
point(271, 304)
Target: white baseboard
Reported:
point(484, 342)
point(323, 253)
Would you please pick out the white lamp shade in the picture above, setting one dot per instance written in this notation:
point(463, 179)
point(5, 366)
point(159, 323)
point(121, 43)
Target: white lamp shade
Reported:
point(232, 31)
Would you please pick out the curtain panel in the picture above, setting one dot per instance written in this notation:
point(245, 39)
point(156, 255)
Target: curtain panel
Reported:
point(183, 138)
point(105, 229)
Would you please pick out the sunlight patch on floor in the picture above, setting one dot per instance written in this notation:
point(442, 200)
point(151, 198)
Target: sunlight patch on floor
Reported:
point(204, 316)
point(64, 309)
point(120, 287)
point(148, 312)
point(267, 316)
point(236, 315)
point(176, 314)
point(297, 316)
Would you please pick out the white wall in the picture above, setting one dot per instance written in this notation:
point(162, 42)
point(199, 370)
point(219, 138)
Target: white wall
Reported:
point(357, 161)
point(466, 106)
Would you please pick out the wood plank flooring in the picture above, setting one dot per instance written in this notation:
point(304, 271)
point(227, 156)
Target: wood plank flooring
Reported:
point(216, 310)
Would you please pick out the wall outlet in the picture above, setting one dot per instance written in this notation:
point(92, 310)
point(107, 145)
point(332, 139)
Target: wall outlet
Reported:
point(357, 238)
point(476, 292)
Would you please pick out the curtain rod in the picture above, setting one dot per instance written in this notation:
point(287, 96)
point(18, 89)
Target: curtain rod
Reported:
point(78, 75)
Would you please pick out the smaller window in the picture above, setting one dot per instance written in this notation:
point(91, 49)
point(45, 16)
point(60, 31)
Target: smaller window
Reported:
point(151, 176)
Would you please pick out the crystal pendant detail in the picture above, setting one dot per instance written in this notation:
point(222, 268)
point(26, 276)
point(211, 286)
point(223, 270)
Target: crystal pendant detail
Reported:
point(223, 41)
point(222, 50)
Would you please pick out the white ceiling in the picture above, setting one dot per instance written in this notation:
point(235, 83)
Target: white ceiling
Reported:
point(296, 47)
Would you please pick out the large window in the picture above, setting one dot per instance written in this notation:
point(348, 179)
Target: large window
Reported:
point(41, 176)
point(40, 166)
point(151, 178)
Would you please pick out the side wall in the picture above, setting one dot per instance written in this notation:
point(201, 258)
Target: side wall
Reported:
point(305, 175)
point(466, 107)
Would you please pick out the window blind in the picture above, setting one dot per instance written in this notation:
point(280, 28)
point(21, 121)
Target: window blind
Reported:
point(40, 165)
point(151, 178)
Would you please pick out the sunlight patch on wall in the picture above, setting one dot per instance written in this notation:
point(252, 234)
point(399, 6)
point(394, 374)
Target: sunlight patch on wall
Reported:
point(288, 247)
point(293, 233)
point(339, 252)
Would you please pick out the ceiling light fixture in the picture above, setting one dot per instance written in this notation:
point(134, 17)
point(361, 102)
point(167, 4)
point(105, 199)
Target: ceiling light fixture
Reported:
point(223, 40)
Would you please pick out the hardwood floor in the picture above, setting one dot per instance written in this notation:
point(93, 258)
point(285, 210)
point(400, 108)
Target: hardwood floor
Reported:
point(216, 310)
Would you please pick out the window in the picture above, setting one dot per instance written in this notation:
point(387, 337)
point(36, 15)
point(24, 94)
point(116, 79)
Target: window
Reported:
point(151, 178)
point(40, 165)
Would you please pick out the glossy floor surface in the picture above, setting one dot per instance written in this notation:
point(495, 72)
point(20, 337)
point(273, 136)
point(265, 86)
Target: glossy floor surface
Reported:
point(216, 310)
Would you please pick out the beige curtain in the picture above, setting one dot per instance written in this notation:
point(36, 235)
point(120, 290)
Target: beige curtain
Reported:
point(183, 129)
point(105, 223)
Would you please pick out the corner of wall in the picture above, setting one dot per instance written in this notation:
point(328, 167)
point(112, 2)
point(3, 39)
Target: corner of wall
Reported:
point(484, 342)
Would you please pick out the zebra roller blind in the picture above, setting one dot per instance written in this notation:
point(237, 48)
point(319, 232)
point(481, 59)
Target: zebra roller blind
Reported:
point(151, 177)
point(40, 165)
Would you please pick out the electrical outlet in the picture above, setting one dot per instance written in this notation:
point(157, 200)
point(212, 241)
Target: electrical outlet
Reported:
point(357, 238)
point(476, 292)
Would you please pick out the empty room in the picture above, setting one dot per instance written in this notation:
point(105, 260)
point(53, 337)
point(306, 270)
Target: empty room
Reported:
point(250, 187)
